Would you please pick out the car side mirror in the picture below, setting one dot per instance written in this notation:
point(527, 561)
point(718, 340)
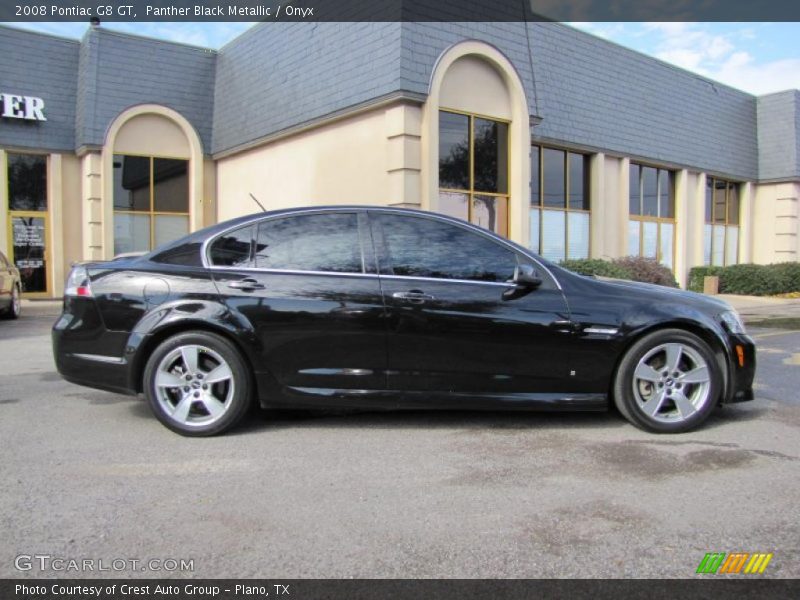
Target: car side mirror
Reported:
point(527, 277)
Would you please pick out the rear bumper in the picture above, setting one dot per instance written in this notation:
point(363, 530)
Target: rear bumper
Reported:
point(742, 368)
point(87, 353)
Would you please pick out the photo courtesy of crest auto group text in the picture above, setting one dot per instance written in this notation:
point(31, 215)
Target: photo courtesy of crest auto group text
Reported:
point(399, 298)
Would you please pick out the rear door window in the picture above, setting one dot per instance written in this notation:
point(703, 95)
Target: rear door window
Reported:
point(233, 249)
point(324, 242)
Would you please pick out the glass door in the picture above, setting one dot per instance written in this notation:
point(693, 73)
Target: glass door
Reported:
point(28, 237)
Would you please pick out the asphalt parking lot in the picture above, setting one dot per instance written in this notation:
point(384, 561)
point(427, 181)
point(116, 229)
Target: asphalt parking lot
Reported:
point(89, 474)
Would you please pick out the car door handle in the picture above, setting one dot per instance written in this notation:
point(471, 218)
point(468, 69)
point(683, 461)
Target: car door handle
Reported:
point(248, 285)
point(414, 296)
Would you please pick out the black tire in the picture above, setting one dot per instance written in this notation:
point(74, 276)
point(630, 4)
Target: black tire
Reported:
point(632, 394)
point(212, 347)
point(15, 308)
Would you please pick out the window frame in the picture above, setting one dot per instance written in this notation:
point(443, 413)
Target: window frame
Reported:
point(641, 218)
point(368, 262)
point(567, 184)
point(471, 193)
point(152, 213)
point(729, 185)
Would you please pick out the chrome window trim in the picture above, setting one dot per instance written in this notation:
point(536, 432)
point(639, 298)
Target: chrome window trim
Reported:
point(442, 280)
point(292, 271)
point(378, 209)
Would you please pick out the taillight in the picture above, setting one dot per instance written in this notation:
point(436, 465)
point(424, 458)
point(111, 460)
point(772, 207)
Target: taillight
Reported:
point(78, 283)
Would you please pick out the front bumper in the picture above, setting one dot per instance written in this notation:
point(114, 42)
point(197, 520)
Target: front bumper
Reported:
point(741, 368)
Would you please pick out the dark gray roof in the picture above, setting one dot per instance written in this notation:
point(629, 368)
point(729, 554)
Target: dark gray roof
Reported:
point(276, 77)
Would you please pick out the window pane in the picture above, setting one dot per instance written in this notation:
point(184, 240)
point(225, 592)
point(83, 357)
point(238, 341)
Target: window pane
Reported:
point(718, 252)
point(131, 183)
point(666, 194)
point(491, 212)
point(535, 166)
point(425, 248)
point(666, 250)
point(535, 224)
point(578, 181)
point(170, 185)
point(324, 242)
point(554, 235)
point(707, 234)
point(27, 182)
point(453, 151)
point(169, 228)
point(491, 156)
point(733, 204)
point(578, 224)
point(635, 192)
point(732, 246)
point(553, 173)
point(720, 189)
point(649, 192)
point(454, 204)
point(131, 233)
point(232, 249)
point(709, 200)
point(634, 232)
point(649, 239)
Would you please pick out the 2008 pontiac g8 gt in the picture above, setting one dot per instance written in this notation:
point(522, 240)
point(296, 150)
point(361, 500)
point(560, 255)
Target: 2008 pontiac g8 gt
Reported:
point(383, 308)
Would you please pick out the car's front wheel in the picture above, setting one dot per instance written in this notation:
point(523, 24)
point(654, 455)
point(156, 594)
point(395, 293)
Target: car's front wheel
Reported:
point(667, 382)
point(197, 384)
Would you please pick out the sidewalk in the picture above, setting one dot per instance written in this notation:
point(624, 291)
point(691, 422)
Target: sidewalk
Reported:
point(758, 308)
point(41, 308)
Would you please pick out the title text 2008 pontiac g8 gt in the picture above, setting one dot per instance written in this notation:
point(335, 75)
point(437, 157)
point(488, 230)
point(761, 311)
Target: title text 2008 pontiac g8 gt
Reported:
point(383, 308)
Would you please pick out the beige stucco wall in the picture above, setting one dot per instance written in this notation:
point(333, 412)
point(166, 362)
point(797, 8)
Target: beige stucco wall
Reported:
point(152, 135)
point(776, 222)
point(367, 158)
point(473, 85)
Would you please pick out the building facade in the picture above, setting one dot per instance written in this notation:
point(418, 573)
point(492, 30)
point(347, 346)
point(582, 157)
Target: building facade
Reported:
point(566, 143)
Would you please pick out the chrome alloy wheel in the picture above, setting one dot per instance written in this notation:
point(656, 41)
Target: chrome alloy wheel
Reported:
point(194, 385)
point(671, 382)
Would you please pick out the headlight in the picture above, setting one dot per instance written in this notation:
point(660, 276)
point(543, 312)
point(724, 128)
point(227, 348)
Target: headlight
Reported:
point(733, 321)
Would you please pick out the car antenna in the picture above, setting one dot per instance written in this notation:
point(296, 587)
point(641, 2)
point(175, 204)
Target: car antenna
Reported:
point(257, 202)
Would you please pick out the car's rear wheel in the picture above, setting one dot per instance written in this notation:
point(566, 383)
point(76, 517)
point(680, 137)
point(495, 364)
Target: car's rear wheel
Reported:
point(15, 307)
point(667, 382)
point(197, 384)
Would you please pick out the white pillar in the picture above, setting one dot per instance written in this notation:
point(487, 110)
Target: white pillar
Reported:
point(92, 207)
point(599, 206)
point(681, 226)
point(746, 215)
point(4, 241)
point(55, 242)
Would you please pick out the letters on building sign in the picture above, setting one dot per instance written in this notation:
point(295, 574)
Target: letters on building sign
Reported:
point(29, 108)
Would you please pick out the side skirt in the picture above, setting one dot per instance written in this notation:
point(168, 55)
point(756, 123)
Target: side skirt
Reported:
point(328, 397)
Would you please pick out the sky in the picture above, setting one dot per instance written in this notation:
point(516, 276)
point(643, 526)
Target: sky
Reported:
point(759, 58)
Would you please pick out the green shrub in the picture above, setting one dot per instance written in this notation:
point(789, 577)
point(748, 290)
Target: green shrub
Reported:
point(596, 266)
point(750, 279)
point(633, 268)
point(647, 270)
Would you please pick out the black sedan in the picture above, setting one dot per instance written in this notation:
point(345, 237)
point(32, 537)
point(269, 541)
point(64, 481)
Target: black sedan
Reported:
point(383, 308)
point(10, 289)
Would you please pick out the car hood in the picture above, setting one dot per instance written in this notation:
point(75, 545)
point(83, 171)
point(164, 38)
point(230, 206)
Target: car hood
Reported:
point(667, 294)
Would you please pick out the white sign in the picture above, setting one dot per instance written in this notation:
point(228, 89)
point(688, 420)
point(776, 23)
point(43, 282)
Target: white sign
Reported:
point(29, 108)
